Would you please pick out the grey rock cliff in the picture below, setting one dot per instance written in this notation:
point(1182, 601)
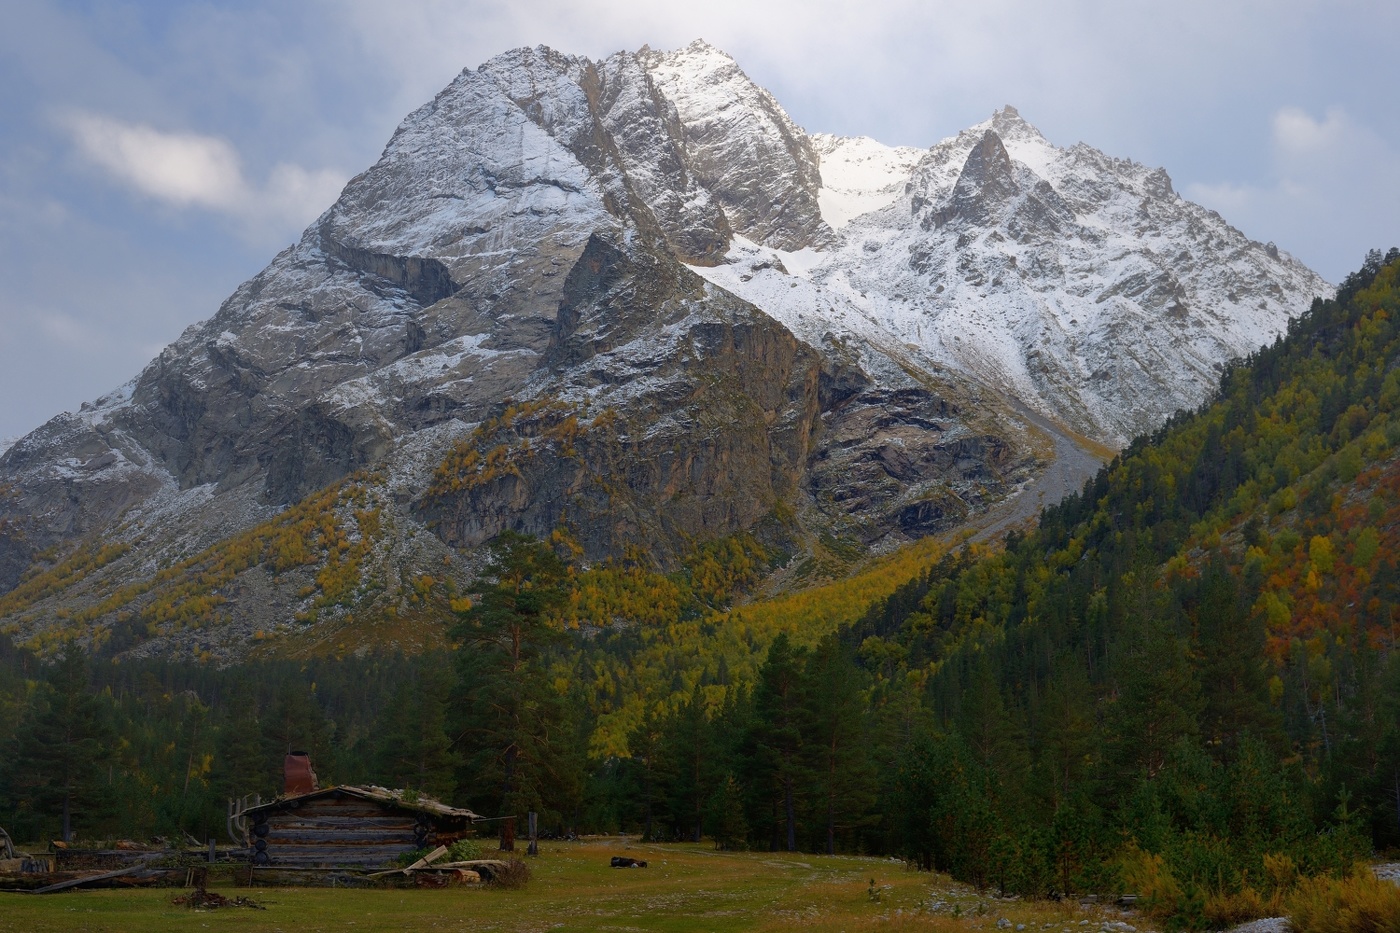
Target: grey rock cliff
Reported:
point(600, 298)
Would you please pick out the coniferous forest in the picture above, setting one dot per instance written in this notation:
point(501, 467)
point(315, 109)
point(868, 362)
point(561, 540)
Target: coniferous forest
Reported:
point(1183, 683)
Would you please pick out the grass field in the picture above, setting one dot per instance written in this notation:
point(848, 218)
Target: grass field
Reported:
point(686, 887)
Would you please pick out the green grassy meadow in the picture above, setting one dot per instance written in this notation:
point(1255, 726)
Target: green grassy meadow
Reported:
point(686, 887)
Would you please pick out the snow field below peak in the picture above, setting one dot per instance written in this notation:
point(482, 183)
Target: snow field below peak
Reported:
point(860, 175)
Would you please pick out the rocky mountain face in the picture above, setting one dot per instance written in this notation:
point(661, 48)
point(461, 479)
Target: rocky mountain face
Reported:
point(630, 302)
point(1080, 284)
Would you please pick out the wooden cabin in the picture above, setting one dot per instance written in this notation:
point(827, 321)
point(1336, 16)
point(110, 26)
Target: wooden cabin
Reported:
point(346, 827)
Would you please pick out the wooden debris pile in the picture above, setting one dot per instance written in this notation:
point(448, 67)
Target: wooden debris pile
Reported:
point(201, 899)
point(430, 871)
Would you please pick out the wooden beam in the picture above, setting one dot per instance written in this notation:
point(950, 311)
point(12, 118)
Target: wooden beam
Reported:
point(432, 856)
point(75, 882)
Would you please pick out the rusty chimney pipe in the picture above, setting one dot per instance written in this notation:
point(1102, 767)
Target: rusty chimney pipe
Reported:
point(300, 779)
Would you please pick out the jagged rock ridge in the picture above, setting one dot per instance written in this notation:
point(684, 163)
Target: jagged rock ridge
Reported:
point(1081, 284)
point(629, 298)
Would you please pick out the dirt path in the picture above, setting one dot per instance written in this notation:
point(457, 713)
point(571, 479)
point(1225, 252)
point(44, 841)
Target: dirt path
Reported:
point(1076, 460)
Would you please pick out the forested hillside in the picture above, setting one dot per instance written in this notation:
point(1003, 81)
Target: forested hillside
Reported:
point(1184, 682)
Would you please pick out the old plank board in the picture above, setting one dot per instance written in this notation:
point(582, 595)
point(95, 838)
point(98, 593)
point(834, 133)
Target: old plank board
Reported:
point(282, 837)
point(336, 855)
point(428, 859)
point(370, 823)
point(87, 879)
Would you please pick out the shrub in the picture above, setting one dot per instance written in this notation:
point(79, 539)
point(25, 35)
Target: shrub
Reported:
point(408, 858)
point(463, 850)
point(1281, 871)
point(1231, 909)
point(1146, 874)
point(514, 875)
point(1361, 903)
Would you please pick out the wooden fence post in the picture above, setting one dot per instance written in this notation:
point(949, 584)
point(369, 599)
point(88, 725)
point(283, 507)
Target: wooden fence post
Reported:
point(534, 848)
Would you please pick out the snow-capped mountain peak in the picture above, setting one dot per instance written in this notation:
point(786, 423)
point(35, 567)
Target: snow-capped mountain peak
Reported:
point(743, 147)
point(1078, 283)
point(634, 298)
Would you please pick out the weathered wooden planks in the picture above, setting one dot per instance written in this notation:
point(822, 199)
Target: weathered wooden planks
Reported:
point(348, 826)
point(283, 837)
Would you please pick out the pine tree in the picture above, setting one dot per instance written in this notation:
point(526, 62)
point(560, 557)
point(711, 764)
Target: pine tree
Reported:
point(778, 727)
point(413, 748)
point(689, 770)
point(1231, 637)
point(296, 722)
point(63, 747)
point(511, 723)
point(239, 757)
point(1157, 701)
point(912, 798)
point(991, 734)
point(726, 815)
point(645, 745)
point(1065, 731)
point(843, 773)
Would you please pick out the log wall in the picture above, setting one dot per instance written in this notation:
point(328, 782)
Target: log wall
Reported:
point(338, 830)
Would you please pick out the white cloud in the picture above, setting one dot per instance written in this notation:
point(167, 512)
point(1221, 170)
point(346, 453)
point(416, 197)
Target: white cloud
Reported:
point(1332, 191)
point(1226, 198)
point(187, 170)
point(182, 169)
point(1296, 133)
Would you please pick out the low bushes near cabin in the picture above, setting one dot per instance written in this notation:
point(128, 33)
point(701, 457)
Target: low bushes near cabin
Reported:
point(463, 850)
point(514, 875)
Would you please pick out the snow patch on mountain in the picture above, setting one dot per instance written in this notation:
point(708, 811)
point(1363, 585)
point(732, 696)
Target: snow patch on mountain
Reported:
point(860, 175)
point(1081, 284)
point(760, 166)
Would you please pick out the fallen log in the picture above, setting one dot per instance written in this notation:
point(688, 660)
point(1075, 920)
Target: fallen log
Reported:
point(87, 879)
point(476, 864)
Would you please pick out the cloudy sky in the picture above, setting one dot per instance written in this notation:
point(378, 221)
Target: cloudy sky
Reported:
point(155, 154)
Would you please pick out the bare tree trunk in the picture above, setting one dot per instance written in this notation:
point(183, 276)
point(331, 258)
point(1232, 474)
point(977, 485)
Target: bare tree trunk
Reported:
point(508, 824)
point(831, 799)
point(790, 815)
point(508, 834)
point(698, 804)
point(646, 791)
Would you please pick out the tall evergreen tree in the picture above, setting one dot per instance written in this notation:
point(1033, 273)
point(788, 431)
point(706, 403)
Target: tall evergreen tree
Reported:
point(843, 772)
point(1157, 701)
point(239, 756)
point(726, 810)
point(644, 767)
point(296, 722)
point(1230, 634)
point(511, 722)
point(779, 718)
point(1065, 734)
point(413, 748)
point(64, 746)
point(690, 765)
